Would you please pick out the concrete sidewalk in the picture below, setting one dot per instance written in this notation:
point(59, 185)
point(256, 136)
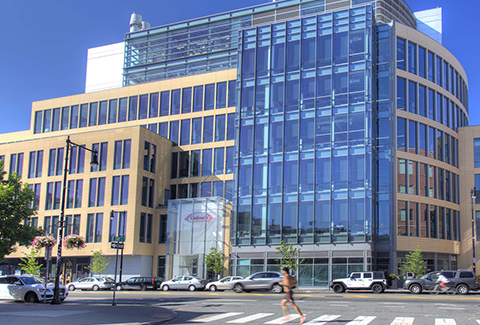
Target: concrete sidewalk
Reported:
point(15, 313)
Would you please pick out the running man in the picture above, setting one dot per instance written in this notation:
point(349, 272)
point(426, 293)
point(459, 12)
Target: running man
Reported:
point(288, 283)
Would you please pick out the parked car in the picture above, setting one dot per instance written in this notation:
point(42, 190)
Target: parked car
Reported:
point(222, 284)
point(92, 283)
point(140, 283)
point(259, 281)
point(377, 282)
point(186, 282)
point(463, 280)
point(27, 288)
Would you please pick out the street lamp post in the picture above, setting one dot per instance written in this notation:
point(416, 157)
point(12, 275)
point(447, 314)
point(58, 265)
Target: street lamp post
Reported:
point(118, 244)
point(94, 162)
point(473, 193)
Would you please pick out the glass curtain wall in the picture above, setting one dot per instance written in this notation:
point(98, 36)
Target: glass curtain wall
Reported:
point(304, 159)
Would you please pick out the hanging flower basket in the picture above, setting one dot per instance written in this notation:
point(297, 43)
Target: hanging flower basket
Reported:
point(43, 241)
point(74, 241)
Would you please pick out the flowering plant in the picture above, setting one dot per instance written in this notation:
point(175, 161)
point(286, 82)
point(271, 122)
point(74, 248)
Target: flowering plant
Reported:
point(43, 241)
point(74, 241)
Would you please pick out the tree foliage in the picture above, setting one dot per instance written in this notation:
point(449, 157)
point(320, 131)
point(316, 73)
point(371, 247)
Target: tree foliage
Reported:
point(415, 263)
point(30, 263)
point(15, 212)
point(289, 256)
point(99, 262)
point(215, 261)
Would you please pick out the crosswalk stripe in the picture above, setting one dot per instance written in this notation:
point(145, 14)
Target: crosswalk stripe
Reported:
point(403, 321)
point(250, 318)
point(213, 318)
point(283, 320)
point(322, 320)
point(362, 320)
point(445, 321)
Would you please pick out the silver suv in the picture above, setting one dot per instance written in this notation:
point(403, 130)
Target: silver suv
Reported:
point(375, 281)
point(259, 281)
point(463, 280)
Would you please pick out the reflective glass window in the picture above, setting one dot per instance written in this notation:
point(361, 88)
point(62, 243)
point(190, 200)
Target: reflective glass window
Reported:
point(232, 93)
point(112, 111)
point(65, 118)
point(74, 118)
point(221, 95)
point(438, 72)
point(422, 56)
point(132, 108)
point(412, 97)
point(340, 47)
point(439, 105)
point(278, 58)
point(174, 126)
point(153, 108)
point(195, 163)
point(208, 129)
point(219, 161)
point(175, 102)
point(164, 103)
point(402, 218)
point(220, 128)
point(197, 130)
point(206, 189)
point(308, 53)
point(102, 113)
point(293, 55)
point(476, 152)
point(431, 104)
point(143, 107)
point(422, 137)
point(412, 137)
point(206, 162)
point(198, 98)
point(401, 133)
point(122, 109)
point(431, 66)
point(185, 133)
point(248, 63)
point(412, 177)
point(210, 96)
point(163, 129)
point(324, 50)
point(56, 119)
point(412, 58)
point(230, 152)
point(186, 100)
point(38, 122)
point(401, 62)
point(401, 93)
point(422, 100)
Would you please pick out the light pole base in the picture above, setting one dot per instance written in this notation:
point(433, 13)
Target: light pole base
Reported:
point(56, 302)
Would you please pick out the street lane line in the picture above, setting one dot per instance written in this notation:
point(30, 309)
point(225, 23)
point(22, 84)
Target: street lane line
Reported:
point(362, 320)
point(445, 321)
point(322, 320)
point(213, 318)
point(403, 321)
point(250, 318)
point(283, 320)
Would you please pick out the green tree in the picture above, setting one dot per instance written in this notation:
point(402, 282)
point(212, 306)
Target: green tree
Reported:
point(30, 263)
point(15, 212)
point(415, 263)
point(215, 261)
point(289, 256)
point(99, 262)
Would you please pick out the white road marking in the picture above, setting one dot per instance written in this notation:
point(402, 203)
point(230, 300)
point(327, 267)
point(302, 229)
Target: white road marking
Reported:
point(249, 319)
point(322, 320)
point(283, 320)
point(362, 320)
point(403, 321)
point(392, 303)
point(452, 308)
point(213, 318)
point(445, 321)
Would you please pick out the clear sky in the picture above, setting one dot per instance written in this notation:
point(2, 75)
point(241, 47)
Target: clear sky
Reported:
point(44, 43)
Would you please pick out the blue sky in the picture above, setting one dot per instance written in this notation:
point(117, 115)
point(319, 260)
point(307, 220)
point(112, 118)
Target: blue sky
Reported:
point(45, 43)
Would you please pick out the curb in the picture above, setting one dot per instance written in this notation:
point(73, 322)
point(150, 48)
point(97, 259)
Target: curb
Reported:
point(167, 319)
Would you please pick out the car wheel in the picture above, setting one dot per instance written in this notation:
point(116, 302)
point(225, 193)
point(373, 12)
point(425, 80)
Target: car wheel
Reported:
point(338, 288)
point(143, 288)
point(377, 288)
point(276, 288)
point(415, 289)
point(71, 287)
point(192, 288)
point(238, 288)
point(462, 289)
point(95, 288)
point(165, 288)
point(31, 297)
point(213, 288)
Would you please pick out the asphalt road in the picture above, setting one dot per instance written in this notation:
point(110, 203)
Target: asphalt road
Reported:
point(320, 308)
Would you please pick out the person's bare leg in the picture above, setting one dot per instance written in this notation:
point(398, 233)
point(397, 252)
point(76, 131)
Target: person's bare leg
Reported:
point(284, 307)
point(296, 308)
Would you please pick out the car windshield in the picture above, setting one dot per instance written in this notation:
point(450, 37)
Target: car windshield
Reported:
point(29, 280)
point(109, 279)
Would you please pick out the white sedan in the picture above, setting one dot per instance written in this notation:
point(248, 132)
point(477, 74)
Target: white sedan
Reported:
point(27, 288)
point(92, 283)
point(222, 284)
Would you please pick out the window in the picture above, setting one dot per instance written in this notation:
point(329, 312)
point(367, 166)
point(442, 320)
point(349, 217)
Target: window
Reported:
point(183, 164)
point(112, 111)
point(206, 162)
point(102, 113)
point(124, 190)
point(103, 156)
point(35, 164)
point(207, 129)
point(38, 122)
point(153, 109)
point(95, 147)
point(122, 109)
point(412, 58)
point(118, 225)
point(175, 102)
point(412, 97)
point(78, 193)
point(186, 100)
point(231, 126)
point(198, 98)
point(219, 161)
point(229, 160)
point(164, 103)
point(146, 221)
point(206, 189)
point(132, 108)
point(220, 128)
point(96, 195)
point(422, 62)
point(92, 114)
point(401, 93)
point(476, 152)
point(144, 191)
point(162, 232)
point(422, 101)
point(401, 133)
point(47, 120)
point(401, 54)
point(143, 107)
point(126, 154)
point(49, 197)
point(185, 133)
point(196, 130)
point(74, 117)
point(412, 137)
point(232, 93)
point(65, 118)
point(56, 119)
point(174, 125)
point(72, 224)
point(195, 163)
point(218, 188)
point(221, 95)
point(143, 223)
point(209, 97)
